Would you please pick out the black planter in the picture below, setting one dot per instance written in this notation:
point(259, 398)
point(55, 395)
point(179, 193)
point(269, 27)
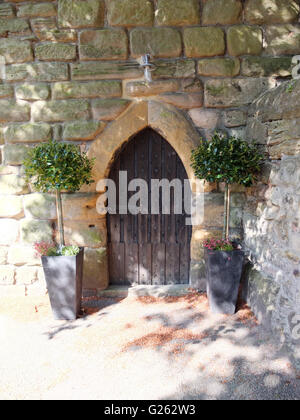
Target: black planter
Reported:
point(64, 281)
point(224, 272)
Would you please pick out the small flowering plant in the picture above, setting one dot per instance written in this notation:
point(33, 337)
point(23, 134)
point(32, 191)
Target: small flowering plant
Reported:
point(214, 244)
point(49, 249)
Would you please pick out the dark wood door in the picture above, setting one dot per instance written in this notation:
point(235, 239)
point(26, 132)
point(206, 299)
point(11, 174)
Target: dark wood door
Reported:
point(149, 249)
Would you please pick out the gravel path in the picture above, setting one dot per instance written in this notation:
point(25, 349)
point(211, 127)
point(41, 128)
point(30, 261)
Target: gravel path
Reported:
point(139, 349)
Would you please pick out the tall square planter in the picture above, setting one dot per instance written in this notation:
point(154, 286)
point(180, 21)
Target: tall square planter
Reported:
point(64, 282)
point(224, 272)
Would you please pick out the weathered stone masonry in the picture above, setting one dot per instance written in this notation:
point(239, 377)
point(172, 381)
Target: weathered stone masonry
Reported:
point(68, 77)
point(272, 213)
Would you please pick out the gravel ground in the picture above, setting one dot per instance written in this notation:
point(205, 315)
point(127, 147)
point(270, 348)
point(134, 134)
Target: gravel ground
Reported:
point(145, 348)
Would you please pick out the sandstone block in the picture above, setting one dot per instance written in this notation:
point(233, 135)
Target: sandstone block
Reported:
point(33, 92)
point(261, 12)
point(37, 10)
point(80, 206)
point(87, 234)
point(76, 90)
point(14, 27)
point(37, 72)
point(82, 130)
point(105, 70)
point(224, 93)
point(219, 67)
point(105, 44)
point(13, 184)
point(159, 42)
point(235, 118)
point(206, 119)
point(243, 39)
point(55, 111)
point(81, 13)
point(55, 52)
point(283, 40)
point(6, 91)
point(137, 89)
point(11, 206)
point(95, 270)
point(15, 51)
point(40, 206)
point(169, 69)
point(108, 109)
point(6, 11)
point(21, 255)
point(27, 133)
point(267, 66)
point(130, 12)
point(204, 42)
point(11, 110)
point(46, 29)
point(181, 13)
point(14, 154)
point(224, 12)
point(183, 100)
point(33, 231)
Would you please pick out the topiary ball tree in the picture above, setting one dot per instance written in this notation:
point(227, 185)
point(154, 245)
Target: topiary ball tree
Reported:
point(230, 160)
point(54, 167)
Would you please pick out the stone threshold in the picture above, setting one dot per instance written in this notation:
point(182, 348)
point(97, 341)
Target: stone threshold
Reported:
point(141, 291)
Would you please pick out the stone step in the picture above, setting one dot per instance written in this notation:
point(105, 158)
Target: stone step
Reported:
point(137, 291)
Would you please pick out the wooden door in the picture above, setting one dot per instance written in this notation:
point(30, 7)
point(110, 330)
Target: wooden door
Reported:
point(149, 249)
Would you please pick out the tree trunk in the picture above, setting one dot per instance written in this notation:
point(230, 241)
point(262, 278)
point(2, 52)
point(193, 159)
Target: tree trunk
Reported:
point(226, 212)
point(59, 211)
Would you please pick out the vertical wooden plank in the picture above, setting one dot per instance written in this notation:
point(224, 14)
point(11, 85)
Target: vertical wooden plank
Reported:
point(183, 231)
point(172, 263)
point(142, 171)
point(116, 253)
point(171, 174)
point(155, 158)
point(145, 264)
point(158, 264)
point(128, 164)
point(131, 264)
point(185, 253)
point(172, 248)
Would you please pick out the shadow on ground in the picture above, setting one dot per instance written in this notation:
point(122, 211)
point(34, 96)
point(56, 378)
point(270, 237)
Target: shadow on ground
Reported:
point(141, 348)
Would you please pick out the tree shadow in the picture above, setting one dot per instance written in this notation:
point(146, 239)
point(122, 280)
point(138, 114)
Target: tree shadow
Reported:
point(93, 308)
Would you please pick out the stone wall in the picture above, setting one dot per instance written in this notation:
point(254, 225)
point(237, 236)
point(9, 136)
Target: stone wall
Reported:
point(69, 74)
point(272, 213)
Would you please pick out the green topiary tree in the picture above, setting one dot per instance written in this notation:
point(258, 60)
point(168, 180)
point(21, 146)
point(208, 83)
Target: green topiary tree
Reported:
point(55, 167)
point(229, 160)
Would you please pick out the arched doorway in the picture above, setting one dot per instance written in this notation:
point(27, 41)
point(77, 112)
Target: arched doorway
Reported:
point(149, 249)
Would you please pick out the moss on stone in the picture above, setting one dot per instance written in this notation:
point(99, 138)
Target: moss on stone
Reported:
point(181, 13)
point(130, 12)
point(224, 12)
point(204, 42)
point(159, 42)
point(107, 44)
point(267, 66)
point(81, 13)
point(215, 67)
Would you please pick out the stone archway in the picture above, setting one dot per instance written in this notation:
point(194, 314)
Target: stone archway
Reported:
point(168, 121)
point(163, 118)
